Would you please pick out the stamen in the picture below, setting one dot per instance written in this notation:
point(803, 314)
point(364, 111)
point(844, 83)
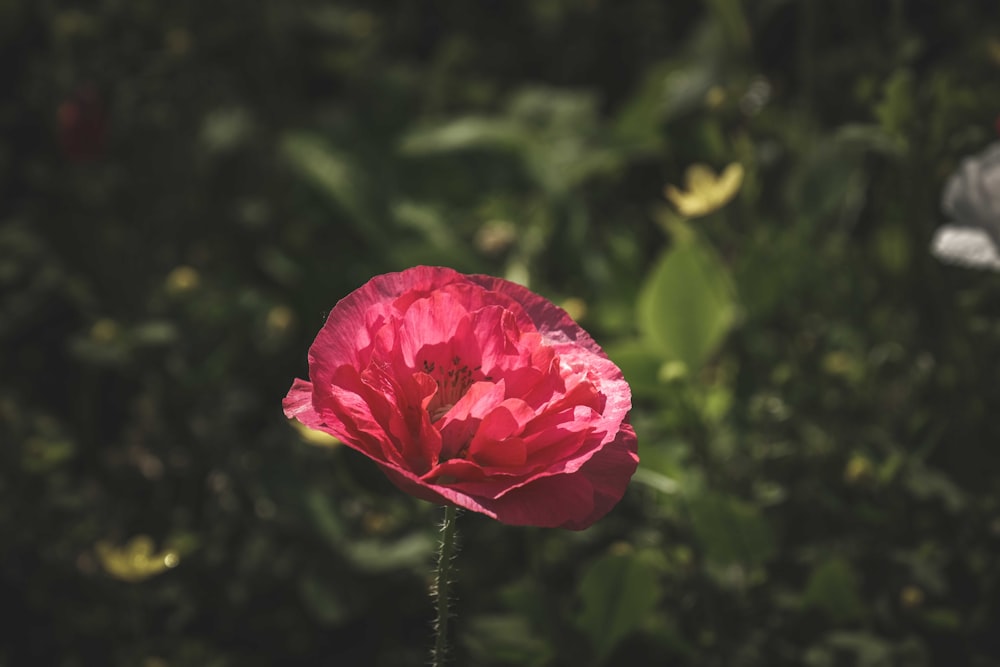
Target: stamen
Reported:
point(452, 385)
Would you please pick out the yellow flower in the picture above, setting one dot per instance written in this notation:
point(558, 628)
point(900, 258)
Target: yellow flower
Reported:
point(105, 330)
point(135, 561)
point(280, 319)
point(182, 279)
point(706, 192)
point(911, 596)
point(312, 436)
point(858, 469)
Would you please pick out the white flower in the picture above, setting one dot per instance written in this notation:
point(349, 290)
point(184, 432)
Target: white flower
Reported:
point(972, 199)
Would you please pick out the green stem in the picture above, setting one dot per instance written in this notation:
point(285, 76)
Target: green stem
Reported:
point(446, 553)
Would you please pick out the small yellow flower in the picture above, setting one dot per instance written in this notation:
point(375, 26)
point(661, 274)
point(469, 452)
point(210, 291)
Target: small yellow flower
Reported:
point(706, 192)
point(280, 319)
point(858, 469)
point(911, 596)
point(105, 330)
point(182, 279)
point(715, 96)
point(312, 436)
point(135, 561)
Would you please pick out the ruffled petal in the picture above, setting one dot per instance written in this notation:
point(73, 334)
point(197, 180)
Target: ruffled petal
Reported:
point(348, 329)
point(298, 405)
point(609, 472)
point(553, 322)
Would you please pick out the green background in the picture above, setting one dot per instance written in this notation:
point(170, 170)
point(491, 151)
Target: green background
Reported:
point(187, 187)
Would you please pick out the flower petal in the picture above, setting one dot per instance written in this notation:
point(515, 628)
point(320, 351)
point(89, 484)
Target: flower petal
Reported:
point(560, 501)
point(347, 331)
point(609, 472)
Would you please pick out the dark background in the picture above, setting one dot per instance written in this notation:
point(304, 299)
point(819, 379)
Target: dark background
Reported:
point(187, 187)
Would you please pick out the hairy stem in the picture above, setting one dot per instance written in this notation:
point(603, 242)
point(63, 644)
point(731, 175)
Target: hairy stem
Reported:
point(446, 553)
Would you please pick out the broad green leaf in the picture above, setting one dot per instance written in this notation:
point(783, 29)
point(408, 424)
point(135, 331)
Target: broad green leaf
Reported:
point(730, 531)
point(555, 134)
point(466, 133)
point(618, 592)
point(833, 587)
point(326, 168)
point(925, 483)
point(639, 364)
point(688, 303)
point(377, 555)
point(336, 174)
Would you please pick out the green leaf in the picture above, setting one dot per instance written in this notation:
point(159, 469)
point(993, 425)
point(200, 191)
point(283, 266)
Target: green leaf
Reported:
point(730, 531)
point(688, 303)
point(154, 333)
point(377, 555)
point(869, 138)
point(639, 364)
point(942, 619)
point(656, 481)
point(926, 483)
point(618, 592)
point(44, 454)
point(326, 168)
point(833, 587)
point(470, 132)
point(337, 175)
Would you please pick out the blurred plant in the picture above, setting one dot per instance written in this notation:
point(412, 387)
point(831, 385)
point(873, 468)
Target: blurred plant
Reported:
point(182, 279)
point(814, 390)
point(136, 560)
point(82, 124)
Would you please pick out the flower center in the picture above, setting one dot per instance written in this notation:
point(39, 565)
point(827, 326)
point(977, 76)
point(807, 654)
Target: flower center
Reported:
point(441, 411)
point(453, 380)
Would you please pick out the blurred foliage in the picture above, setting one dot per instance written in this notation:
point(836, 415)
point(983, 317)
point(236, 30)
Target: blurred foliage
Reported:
point(186, 188)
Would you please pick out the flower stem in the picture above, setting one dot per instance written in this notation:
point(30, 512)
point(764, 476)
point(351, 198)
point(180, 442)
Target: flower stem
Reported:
point(446, 553)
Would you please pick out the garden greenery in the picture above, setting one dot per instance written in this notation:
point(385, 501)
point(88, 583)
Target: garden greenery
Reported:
point(187, 188)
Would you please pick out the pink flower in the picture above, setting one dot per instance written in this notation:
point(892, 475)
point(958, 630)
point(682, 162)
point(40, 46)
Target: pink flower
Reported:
point(473, 391)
